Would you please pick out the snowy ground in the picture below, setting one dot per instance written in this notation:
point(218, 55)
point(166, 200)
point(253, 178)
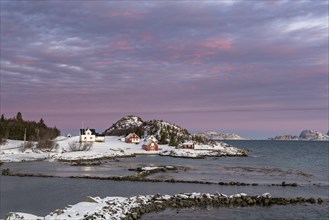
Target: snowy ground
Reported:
point(112, 147)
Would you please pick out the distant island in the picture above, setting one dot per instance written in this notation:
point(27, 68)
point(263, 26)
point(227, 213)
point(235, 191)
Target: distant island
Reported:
point(213, 135)
point(305, 135)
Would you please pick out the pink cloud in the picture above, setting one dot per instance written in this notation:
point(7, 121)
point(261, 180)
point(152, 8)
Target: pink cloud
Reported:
point(280, 50)
point(218, 44)
point(25, 62)
point(198, 55)
point(128, 14)
point(101, 63)
point(123, 44)
point(148, 37)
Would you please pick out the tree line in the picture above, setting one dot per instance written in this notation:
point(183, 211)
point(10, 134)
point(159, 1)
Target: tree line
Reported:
point(17, 128)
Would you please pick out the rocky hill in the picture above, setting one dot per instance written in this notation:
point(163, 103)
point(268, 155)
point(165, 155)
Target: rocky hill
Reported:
point(285, 137)
point(166, 133)
point(125, 125)
point(306, 135)
point(213, 135)
point(313, 135)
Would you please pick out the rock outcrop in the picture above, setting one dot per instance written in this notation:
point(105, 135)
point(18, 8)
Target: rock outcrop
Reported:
point(286, 137)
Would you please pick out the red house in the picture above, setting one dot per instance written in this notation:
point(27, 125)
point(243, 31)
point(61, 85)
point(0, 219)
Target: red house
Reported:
point(151, 145)
point(132, 138)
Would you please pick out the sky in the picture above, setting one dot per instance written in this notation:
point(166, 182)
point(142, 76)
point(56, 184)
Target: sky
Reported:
point(256, 68)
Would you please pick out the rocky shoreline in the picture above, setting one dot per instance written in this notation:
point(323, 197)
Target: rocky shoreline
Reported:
point(133, 208)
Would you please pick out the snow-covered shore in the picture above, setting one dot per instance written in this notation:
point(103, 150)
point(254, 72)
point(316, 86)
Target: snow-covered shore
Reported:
point(112, 147)
point(133, 207)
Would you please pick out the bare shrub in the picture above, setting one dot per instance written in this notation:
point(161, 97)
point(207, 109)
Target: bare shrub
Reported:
point(3, 141)
point(45, 144)
point(27, 145)
point(80, 146)
point(46, 141)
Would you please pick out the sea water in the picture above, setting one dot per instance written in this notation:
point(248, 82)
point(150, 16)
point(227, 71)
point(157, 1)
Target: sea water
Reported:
point(302, 162)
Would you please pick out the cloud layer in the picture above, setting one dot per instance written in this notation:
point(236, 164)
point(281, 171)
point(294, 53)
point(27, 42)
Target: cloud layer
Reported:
point(226, 65)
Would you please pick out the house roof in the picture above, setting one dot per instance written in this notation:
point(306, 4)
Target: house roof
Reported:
point(131, 134)
point(149, 141)
point(83, 131)
point(150, 138)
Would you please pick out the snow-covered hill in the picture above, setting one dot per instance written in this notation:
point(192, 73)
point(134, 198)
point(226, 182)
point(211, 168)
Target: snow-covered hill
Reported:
point(165, 132)
point(125, 123)
point(306, 135)
point(213, 135)
point(313, 135)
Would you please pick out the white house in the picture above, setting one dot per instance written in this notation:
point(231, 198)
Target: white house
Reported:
point(89, 135)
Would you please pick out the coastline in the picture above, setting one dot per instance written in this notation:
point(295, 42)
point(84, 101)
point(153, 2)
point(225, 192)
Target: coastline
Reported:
point(113, 147)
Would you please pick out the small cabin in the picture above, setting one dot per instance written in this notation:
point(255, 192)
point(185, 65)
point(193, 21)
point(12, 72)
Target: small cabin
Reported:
point(187, 145)
point(90, 135)
point(100, 138)
point(132, 138)
point(151, 144)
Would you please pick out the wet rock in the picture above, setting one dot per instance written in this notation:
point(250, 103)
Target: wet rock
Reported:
point(134, 215)
point(311, 200)
point(90, 199)
point(266, 195)
point(6, 172)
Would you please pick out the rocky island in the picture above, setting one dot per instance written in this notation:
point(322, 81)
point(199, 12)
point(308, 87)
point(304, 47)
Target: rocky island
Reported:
point(213, 135)
point(305, 135)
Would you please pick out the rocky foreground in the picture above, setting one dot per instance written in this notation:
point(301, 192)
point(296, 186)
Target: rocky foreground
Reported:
point(134, 207)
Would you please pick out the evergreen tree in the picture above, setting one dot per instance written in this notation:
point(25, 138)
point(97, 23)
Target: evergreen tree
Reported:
point(19, 117)
point(14, 128)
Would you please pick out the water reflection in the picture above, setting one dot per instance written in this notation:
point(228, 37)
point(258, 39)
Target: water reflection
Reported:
point(85, 168)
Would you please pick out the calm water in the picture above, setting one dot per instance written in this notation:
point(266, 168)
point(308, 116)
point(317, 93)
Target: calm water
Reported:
point(269, 162)
point(314, 212)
